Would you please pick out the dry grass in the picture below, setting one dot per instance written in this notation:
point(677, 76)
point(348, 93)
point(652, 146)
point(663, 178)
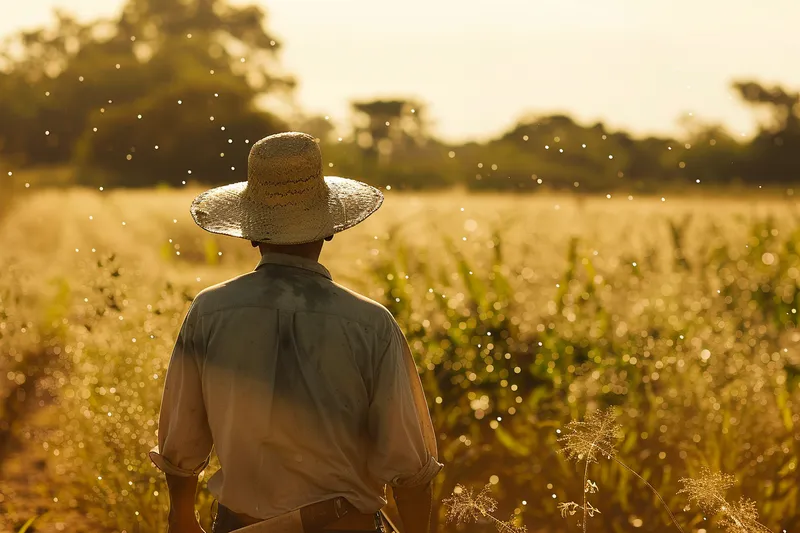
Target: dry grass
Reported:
point(525, 313)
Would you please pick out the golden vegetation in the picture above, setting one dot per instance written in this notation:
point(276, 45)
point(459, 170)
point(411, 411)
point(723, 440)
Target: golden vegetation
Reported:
point(524, 313)
point(464, 506)
point(708, 492)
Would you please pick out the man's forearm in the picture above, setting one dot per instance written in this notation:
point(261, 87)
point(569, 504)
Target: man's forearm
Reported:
point(182, 491)
point(414, 505)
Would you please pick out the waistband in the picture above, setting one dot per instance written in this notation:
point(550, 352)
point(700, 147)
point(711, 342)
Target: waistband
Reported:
point(335, 515)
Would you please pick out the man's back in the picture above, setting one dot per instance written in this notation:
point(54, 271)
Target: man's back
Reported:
point(308, 391)
point(305, 393)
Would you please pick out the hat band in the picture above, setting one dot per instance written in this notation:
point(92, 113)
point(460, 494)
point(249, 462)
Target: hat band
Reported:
point(307, 190)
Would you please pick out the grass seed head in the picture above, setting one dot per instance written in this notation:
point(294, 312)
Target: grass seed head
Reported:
point(708, 490)
point(596, 435)
point(465, 506)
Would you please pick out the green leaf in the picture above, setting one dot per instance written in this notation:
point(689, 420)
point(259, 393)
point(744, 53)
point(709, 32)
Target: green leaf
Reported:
point(511, 443)
point(28, 524)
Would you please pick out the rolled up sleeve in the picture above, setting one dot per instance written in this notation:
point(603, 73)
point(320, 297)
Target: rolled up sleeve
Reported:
point(184, 437)
point(404, 452)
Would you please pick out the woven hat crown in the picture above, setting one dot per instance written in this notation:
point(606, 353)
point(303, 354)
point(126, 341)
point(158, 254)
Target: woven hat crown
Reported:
point(286, 198)
point(284, 167)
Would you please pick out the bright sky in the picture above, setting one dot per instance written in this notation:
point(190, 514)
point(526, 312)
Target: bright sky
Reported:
point(481, 64)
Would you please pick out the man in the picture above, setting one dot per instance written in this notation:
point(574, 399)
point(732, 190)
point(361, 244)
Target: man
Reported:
point(307, 391)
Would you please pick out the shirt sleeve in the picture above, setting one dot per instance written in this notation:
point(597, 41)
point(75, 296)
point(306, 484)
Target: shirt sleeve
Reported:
point(184, 437)
point(404, 452)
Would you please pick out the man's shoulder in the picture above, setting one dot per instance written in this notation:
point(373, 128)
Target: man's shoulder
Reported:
point(362, 308)
point(324, 296)
point(221, 295)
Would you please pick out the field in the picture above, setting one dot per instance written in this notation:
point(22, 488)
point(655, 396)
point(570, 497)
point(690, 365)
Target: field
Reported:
point(525, 313)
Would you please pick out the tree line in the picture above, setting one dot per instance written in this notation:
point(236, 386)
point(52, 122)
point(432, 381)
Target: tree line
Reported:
point(174, 91)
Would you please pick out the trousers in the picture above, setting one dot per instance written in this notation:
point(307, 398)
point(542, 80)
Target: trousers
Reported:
point(227, 521)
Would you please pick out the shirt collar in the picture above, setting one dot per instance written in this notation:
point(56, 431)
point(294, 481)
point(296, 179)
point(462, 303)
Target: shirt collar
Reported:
point(274, 258)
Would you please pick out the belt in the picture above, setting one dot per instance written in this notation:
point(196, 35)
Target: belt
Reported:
point(332, 515)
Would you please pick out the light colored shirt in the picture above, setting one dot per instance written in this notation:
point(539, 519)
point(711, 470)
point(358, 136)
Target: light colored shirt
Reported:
point(306, 390)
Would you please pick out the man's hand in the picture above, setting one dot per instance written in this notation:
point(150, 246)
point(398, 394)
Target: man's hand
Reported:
point(182, 518)
point(185, 526)
point(414, 505)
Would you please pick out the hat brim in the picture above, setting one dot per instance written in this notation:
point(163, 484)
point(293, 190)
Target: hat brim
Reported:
point(228, 211)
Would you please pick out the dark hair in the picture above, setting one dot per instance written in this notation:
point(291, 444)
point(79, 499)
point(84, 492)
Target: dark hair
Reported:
point(255, 244)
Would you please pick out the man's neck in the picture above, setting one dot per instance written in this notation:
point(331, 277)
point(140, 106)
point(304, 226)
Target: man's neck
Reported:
point(309, 250)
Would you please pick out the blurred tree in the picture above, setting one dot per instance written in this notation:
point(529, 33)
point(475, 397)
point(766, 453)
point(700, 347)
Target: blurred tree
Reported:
point(772, 155)
point(45, 107)
point(231, 38)
point(172, 86)
point(713, 155)
point(69, 81)
point(392, 146)
point(785, 106)
point(173, 143)
point(384, 127)
point(554, 152)
point(652, 160)
point(320, 127)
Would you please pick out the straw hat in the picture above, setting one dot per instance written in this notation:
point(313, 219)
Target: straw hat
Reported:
point(286, 199)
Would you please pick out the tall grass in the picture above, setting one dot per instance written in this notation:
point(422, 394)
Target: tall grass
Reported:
point(699, 355)
point(688, 327)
